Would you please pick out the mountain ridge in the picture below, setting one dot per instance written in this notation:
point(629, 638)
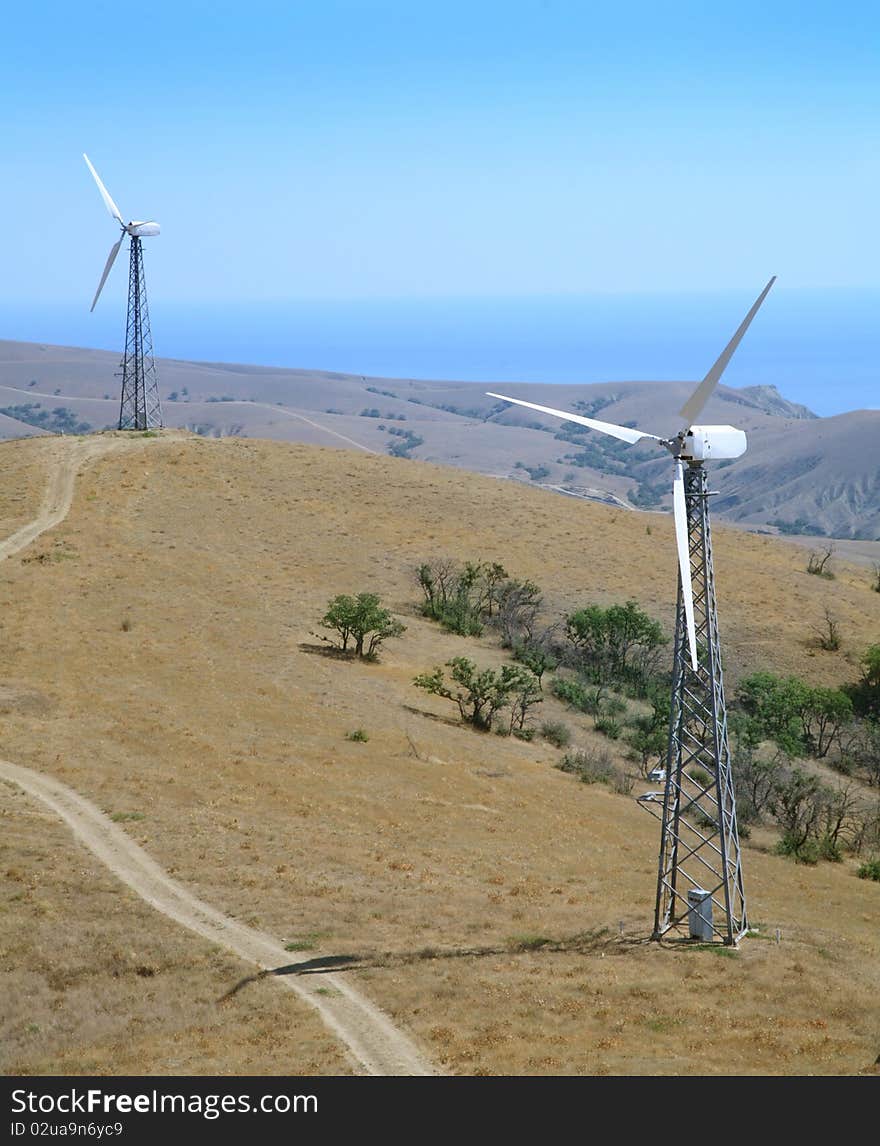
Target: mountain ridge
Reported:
point(802, 474)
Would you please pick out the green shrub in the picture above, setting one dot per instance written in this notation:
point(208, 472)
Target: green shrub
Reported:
point(482, 693)
point(829, 849)
point(359, 735)
point(870, 870)
point(361, 623)
point(803, 851)
point(557, 733)
point(571, 693)
point(609, 727)
point(590, 767)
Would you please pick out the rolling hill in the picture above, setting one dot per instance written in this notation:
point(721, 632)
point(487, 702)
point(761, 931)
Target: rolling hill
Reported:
point(802, 474)
point(160, 659)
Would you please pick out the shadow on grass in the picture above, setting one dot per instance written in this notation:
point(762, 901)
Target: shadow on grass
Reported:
point(439, 719)
point(331, 651)
point(583, 943)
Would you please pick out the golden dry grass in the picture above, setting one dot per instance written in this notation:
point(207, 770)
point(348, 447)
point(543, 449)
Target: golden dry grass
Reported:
point(153, 661)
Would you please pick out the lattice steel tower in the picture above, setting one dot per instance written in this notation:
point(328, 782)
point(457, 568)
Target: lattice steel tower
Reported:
point(699, 883)
point(139, 408)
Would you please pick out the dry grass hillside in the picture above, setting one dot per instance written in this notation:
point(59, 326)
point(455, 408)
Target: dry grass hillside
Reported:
point(160, 658)
point(813, 474)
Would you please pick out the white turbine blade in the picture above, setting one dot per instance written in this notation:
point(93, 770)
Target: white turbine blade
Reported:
point(111, 258)
point(684, 558)
point(692, 407)
point(105, 194)
point(623, 432)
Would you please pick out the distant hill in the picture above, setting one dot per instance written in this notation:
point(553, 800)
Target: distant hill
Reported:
point(802, 475)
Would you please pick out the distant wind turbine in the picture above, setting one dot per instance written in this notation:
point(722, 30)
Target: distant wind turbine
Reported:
point(139, 406)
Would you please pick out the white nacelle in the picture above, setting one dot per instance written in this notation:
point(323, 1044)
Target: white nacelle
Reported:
point(705, 443)
point(142, 229)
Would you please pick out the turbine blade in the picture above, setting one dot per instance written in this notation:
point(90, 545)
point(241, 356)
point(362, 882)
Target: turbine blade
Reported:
point(105, 194)
point(625, 433)
point(679, 507)
point(111, 258)
point(693, 406)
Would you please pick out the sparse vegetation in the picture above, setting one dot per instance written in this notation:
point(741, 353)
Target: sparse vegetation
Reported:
point(406, 441)
point(358, 735)
point(800, 719)
point(361, 624)
point(799, 527)
point(60, 420)
point(817, 563)
point(557, 733)
point(536, 473)
point(461, 598)
point(828, 633)
point(593, 767)
point(615, 643)
point(479, 830)
point(481, 694)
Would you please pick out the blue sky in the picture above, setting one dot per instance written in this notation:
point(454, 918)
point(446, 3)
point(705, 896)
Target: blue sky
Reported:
point(406, 150)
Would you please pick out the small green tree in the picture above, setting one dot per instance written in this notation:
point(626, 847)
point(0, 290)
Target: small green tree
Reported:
point(776, 706)
point(361, 623)
point(615, 643)
point(756, 778)
point(536, 658)
point(481, 693)
point(799, 718)
point(463, 598)
point(797, 804)
point(516, 609)
point(648, 738)
point(825, 714)
point(865, 693)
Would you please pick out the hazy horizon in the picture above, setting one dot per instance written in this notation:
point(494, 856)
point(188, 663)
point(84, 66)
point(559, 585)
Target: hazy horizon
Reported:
point(819, 348)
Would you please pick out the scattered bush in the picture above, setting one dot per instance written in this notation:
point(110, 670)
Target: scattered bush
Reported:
point(535, 657)
point(615, 643)
point(359, 735)
point(608, 726)
point(590, 767)
point(482, 693)
point(803, 851)
point(556, 733)
point(405, 441)
point(870, 870)
point(362, 622)
point(817, 563)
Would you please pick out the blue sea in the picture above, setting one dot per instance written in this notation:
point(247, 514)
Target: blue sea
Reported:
point(820, 348)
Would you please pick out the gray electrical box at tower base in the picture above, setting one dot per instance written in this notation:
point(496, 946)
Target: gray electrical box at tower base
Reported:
point(700, 913)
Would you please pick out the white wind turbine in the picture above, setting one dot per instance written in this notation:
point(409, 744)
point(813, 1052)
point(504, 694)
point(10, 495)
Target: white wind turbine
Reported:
point(699, 867)
point(139, 407)
point(693, 444)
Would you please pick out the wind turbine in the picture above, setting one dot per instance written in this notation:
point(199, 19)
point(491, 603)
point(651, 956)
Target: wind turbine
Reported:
point(699, 866)
point(139, 406)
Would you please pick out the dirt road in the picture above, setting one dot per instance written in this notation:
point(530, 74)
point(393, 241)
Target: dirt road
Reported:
point(374, 1044)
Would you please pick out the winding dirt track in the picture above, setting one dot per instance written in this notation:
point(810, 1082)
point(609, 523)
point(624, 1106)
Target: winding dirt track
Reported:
point(374, 1044)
